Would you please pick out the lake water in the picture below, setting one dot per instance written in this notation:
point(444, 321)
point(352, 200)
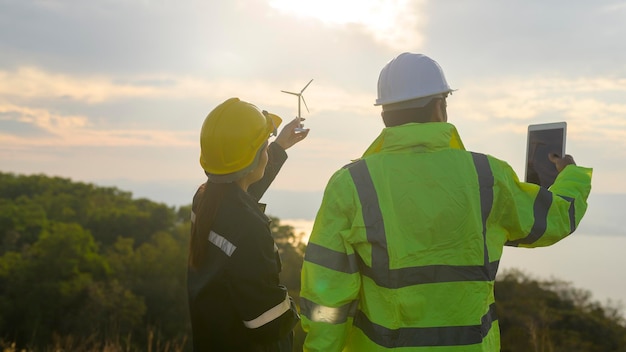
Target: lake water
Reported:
point(595, 263)
point(592, 262)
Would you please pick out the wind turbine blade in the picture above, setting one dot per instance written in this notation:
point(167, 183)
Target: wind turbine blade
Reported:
point(296, 94)
point(304, 101)
point(306, 86)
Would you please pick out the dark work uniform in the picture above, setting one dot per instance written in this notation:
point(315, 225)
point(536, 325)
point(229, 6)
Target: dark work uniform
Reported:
point(235, 300)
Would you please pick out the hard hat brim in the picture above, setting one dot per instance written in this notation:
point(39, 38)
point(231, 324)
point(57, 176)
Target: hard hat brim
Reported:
point(274, 121)
point(234, 176)
point(400, 100)
point(414, 103)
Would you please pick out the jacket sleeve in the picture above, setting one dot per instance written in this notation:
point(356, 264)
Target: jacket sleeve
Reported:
point(264, 306)
point(330, 277)
point(533, 216)
point(276, 158)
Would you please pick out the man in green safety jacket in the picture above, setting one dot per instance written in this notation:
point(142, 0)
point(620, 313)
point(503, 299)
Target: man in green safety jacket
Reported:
point(407, 241)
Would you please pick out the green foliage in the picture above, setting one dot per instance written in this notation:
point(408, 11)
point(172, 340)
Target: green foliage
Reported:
point(21, 221)
point(106, 212)
point(86, 262)
point(89, 268)
point(553, 316)
point(52, 283)
point(291, 250)
point(156, 271)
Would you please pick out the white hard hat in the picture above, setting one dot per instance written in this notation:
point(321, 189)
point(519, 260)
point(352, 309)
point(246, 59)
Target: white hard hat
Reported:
point(408, 77)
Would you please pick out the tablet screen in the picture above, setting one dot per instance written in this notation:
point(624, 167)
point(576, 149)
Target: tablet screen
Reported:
point(544, 139)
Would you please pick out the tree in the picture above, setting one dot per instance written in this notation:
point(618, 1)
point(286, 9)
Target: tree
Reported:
point(156, 271)
point(91, 263)
point(107, 212)
point(21, 222)
point(553, 316)
point(59, 285)
point(291, 251)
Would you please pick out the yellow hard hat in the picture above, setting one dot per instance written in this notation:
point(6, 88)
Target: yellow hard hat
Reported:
point(231, 137)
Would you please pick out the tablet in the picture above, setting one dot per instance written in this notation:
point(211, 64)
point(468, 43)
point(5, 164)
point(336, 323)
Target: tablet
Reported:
point(544, 139)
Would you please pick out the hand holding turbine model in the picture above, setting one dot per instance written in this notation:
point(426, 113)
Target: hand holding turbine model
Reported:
point(300, 127)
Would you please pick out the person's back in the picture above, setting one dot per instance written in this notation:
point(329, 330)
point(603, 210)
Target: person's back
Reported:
point(407, 241)
point(236, 302)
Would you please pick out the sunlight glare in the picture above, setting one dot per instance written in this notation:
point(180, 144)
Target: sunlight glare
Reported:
point(393, 22)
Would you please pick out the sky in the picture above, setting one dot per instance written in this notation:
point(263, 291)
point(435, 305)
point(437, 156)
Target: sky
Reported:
point(114, 92)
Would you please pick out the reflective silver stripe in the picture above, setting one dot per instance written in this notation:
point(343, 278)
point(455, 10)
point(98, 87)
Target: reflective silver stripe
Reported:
point(485, 184)
point(330, 259)
point(269, 315)
point(409, 276)
point(542, 204)
point(193, 216)
point(222, 243)
point(330, 315)
point(428, 336)
point(430, 274)
point(372, 216)
point(572, 213)
point(396, 278)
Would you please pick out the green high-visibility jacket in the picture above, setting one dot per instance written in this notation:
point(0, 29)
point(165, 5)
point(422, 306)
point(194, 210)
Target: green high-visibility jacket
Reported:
point(406, 244)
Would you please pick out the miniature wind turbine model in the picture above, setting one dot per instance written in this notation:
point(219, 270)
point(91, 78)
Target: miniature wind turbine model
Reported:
point(300, 98)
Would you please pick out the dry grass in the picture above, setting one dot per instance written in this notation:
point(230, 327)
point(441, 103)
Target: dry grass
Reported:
point(92, 343)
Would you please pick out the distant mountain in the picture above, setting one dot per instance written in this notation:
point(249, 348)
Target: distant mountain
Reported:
point(604, 216)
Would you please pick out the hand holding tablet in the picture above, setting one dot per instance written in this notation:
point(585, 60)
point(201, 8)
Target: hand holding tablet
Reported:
point(545, 153)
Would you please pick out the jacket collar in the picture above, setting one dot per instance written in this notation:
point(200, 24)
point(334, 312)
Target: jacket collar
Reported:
point(425, 136)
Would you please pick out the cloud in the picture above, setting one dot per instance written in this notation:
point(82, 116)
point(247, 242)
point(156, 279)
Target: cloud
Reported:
point(506, 99)
point(42, 118)
point(529, 37)
point(207, 39)
point(493, 113)
point(30, 83)
point(76, 110)
point(62, 130)
point(393, 23)
point(613, 7)
point(116, 76)
point(584, 101)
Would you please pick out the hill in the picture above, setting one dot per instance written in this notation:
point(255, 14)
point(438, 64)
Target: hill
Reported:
point(89, 268)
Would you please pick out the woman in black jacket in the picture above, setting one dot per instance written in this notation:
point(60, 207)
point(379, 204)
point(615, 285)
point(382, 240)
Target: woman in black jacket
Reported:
point(235, 300)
